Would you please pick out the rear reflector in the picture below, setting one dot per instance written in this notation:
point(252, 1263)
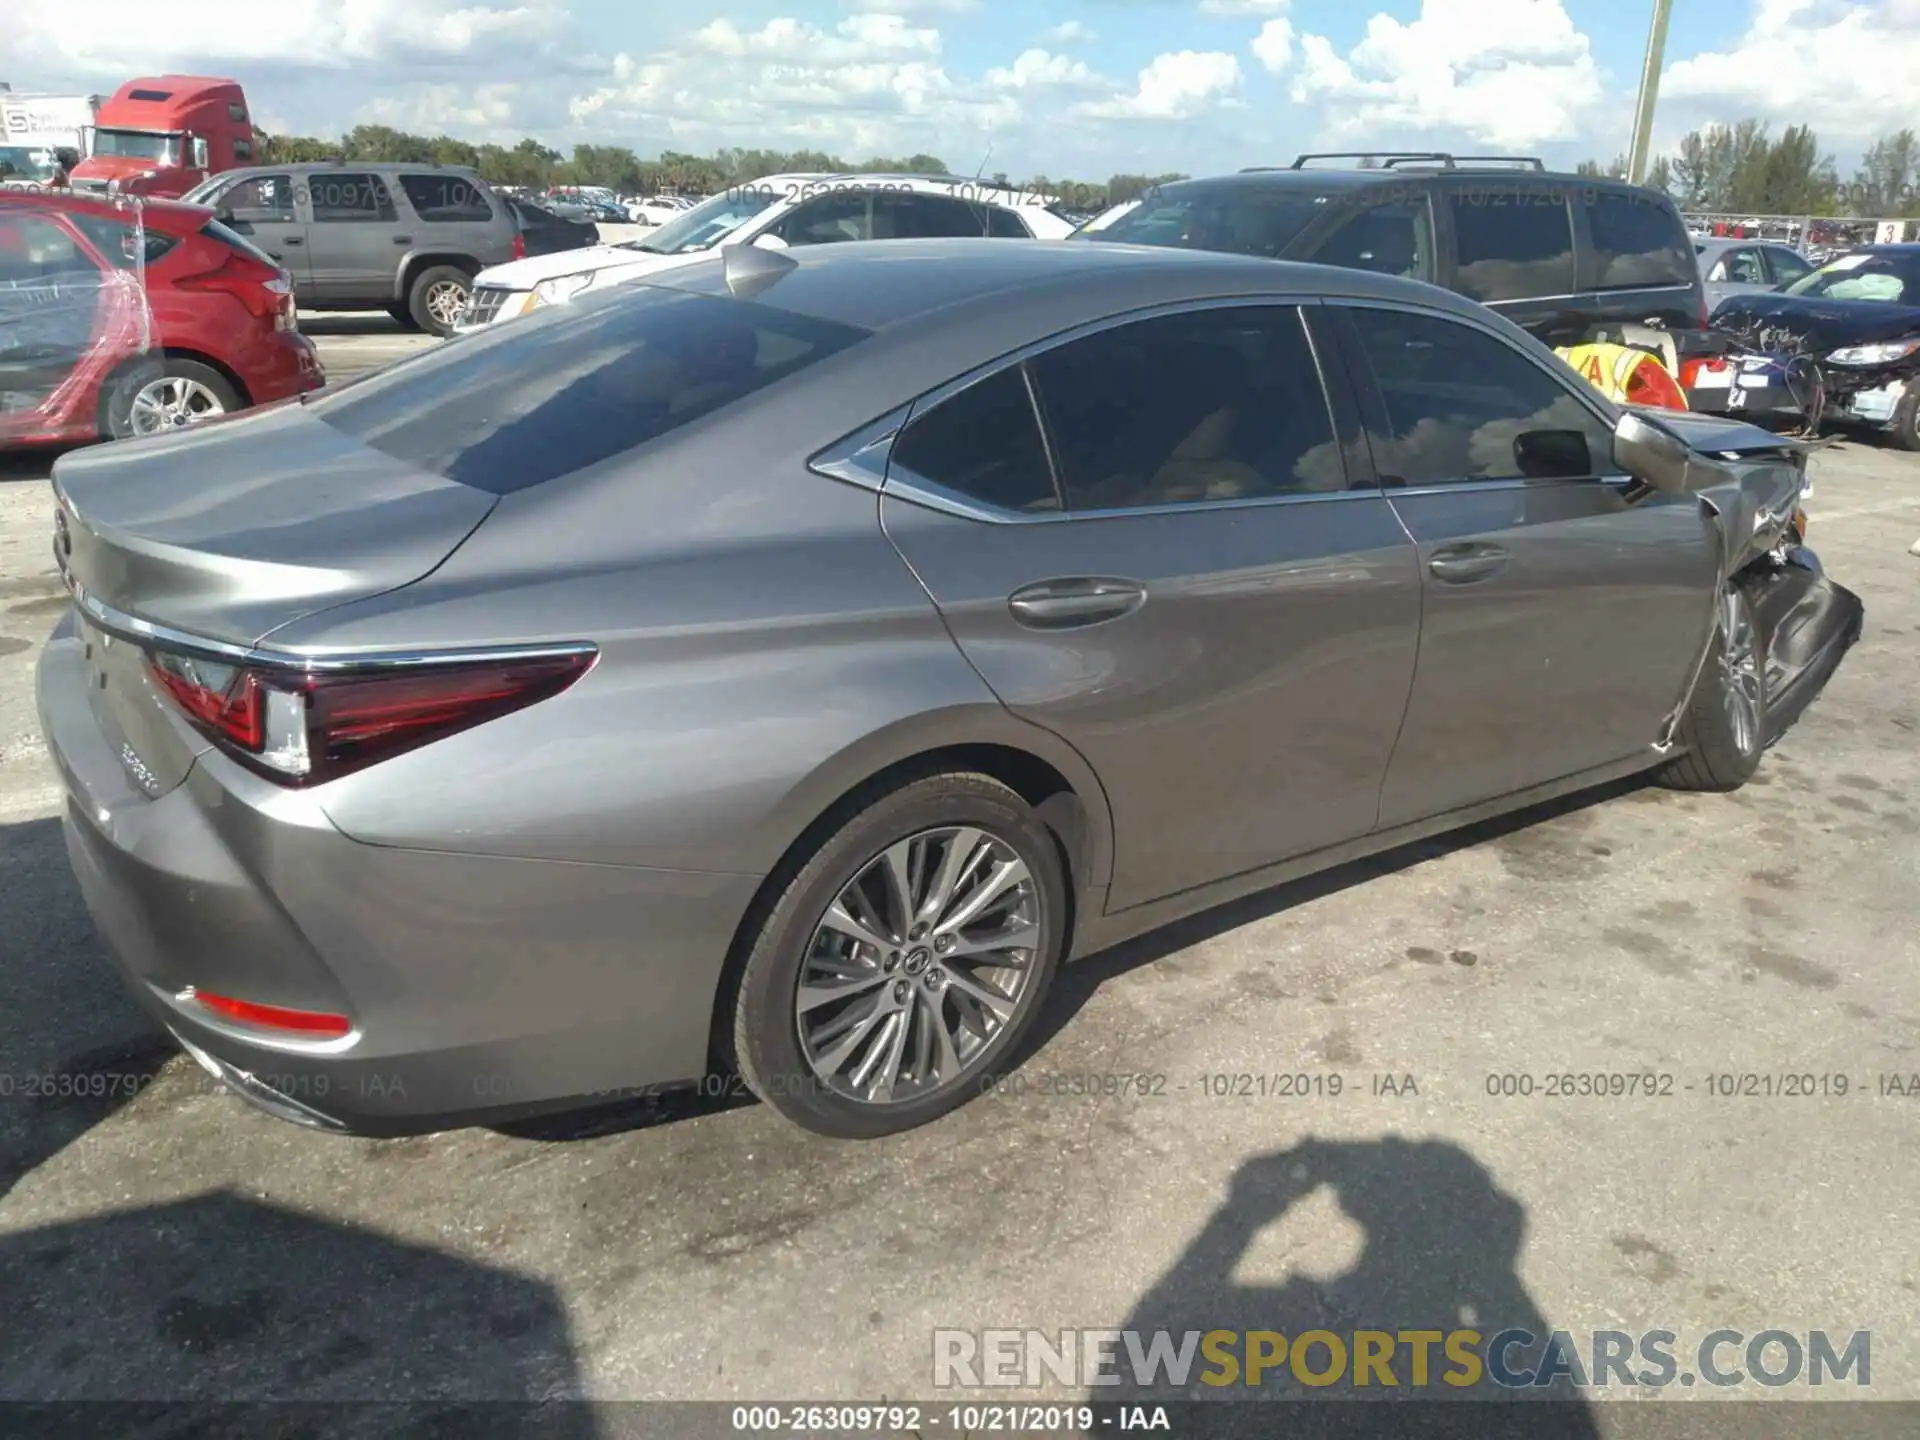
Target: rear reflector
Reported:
point(304, 727)
point(313, 1024)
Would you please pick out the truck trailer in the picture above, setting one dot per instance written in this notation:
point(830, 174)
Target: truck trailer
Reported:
point(43, 136)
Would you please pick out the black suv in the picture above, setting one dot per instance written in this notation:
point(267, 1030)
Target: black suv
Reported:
point(1570, 259)
point(360, 235)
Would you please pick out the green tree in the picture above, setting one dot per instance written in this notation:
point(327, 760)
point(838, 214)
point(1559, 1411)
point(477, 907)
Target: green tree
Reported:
point(1885, 184)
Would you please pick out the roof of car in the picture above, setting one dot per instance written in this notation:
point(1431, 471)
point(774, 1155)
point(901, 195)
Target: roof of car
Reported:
point(383, 166)
point(883, 283)
point(1325, 178)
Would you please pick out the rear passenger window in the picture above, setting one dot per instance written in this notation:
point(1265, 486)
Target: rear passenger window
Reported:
point(1212, 405)
point(575, 384)
point(1462, 405)
point(1637, 241)
point(1512, 242)
point(1005, 225)
point(983, 443)
point(343, 196)
point(443, 198)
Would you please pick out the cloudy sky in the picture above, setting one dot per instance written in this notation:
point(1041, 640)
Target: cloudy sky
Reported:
point(1081, 88)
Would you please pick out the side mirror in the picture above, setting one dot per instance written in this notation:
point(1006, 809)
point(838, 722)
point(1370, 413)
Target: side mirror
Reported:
point(1650, 453)
point(1553, 454)
point(769, 241)
point(199, 153)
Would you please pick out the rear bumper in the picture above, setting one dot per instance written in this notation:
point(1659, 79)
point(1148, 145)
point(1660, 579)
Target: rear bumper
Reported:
point(477, 987)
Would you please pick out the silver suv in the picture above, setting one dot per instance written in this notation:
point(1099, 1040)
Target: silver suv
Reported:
point(407, 239)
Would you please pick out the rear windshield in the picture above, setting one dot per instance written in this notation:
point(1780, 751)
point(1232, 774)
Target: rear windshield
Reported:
point(1241, 220)
point(513, 406)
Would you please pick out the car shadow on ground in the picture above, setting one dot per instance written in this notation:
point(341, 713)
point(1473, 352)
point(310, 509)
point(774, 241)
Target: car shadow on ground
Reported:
point(325, 324)
point(1438, 1254)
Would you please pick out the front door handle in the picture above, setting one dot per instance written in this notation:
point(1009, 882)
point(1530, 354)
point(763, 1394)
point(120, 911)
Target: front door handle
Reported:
point(293, 240)
point(1464, 564)
point(1071, 603)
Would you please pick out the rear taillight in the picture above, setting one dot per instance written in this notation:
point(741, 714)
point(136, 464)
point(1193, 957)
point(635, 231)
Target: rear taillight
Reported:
point(305, 727)
point(308, 1024)
point(258, 294)
point(519, 246)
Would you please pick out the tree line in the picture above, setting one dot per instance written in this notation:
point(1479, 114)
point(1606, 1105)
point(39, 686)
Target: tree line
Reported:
point(1742, 169)
point(534, 165)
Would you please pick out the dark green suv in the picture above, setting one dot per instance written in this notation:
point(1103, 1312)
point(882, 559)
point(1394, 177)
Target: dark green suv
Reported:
point(1568, 258)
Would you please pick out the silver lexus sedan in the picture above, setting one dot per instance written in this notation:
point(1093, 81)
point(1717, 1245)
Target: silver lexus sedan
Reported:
point(779, 667)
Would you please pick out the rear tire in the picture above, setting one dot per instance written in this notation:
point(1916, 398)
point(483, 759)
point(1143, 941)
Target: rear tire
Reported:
point(437, 296)
point(1905, 426)
point(161, 393)
point(1724, 726)
point(909, 1041)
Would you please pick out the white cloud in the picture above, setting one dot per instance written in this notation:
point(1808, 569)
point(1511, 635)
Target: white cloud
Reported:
point(1273, 46)
point(128, 37)
point(1504, 72)
point(1243, 7)
point(857, 38)
point(913, 7)
point(447, 109)
point(1174, 86)
point(1036, 69)
point(1068, 32)
point(1850, 70)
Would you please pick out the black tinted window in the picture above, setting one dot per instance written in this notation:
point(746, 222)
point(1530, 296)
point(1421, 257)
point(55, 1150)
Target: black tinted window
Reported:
point(572, 385)
point(1390, 239)
point(984, 443)
point(1462, 405)
point(264, 199)
point(445, 198)
point(1005, 225)
point(1636, 241)
point(117, 245)
point(1242, 220)
point(343, 195)
point(925, 217)
point(1512, 242)
point(829, 220)
point(1216, 405)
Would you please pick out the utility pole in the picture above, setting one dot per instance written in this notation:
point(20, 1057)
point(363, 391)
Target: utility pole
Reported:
point(1649, 93)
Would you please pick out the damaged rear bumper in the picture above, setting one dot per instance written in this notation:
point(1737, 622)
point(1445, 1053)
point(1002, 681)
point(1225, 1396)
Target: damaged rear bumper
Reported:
point(1808, 624)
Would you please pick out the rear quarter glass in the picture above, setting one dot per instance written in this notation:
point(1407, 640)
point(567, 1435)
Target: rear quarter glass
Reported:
point(567, 387)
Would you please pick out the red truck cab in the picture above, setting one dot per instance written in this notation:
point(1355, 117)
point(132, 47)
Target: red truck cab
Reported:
point(161, 135)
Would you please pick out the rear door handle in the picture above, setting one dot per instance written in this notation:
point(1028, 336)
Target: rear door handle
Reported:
point(1463, 564)
point(1068, 604)
point(403, 239)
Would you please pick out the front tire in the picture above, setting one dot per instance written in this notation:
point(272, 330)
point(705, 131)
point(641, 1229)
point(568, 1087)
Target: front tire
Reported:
point(905, 961)
point(1905, 426)
point(1724, 726)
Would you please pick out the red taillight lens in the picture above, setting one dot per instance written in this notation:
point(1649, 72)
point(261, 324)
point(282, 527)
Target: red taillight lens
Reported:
point(519, 246)
point(259, 293)
point(303, 727)
point(310, 1024)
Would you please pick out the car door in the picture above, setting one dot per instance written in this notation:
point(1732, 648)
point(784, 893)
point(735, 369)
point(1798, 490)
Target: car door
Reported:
point(1563, 611)
point(261, 207)
point(355, 237)
point(1512, 249)
point(59, 317)
point(1144, 538)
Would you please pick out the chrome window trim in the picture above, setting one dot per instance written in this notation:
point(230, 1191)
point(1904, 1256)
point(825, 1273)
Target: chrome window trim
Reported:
point(917, 489)
point(136, 630)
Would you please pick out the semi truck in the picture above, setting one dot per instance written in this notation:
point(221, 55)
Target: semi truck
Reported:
point(43, 136)
point(162, 135)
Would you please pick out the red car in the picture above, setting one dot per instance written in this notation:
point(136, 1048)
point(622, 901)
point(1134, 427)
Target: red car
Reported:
point(131, 317)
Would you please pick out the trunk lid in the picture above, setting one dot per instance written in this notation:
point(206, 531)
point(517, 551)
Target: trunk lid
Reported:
point(227, 532)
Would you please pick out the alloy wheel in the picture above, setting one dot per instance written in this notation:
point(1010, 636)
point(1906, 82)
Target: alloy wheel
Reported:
point(1740, 673)
point(170, 403)
point(921, 960)
point(446, 300)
